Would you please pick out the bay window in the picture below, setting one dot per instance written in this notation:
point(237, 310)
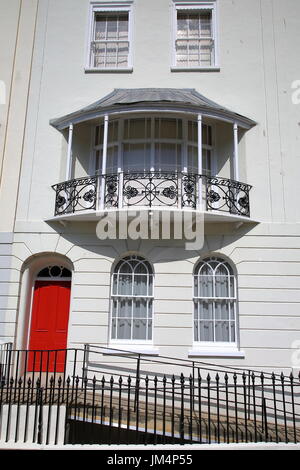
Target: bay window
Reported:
point(162, 144)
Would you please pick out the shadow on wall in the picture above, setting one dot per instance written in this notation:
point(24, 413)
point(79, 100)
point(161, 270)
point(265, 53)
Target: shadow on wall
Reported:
point(216, 237)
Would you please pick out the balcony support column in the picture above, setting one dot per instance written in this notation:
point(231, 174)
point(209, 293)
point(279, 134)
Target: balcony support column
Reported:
point(200, 164)
point(69, 154)
point(104, 163)
point(235, 152)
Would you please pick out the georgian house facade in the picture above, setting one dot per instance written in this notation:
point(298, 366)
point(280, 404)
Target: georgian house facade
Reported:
point(161, 107)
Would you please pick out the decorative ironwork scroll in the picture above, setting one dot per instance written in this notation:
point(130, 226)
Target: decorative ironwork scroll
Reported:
point(189, 190)
point(76, 195)
point(153, 189)
point(227, 195)
point(150, 189)
point(111, 190)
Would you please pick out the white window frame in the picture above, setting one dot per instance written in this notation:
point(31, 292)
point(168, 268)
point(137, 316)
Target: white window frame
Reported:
point(181, 5)
point(184, 142)
point(107, 7)
point(216, 348)
point(127, 343)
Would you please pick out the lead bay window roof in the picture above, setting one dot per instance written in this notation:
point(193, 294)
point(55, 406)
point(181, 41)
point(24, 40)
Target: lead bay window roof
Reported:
point(152, 99)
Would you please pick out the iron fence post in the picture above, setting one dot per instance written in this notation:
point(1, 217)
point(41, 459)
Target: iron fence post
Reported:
point(181, 430)
point(40, 416)
point(193, 389)
point(85, 362)
point(137, 382)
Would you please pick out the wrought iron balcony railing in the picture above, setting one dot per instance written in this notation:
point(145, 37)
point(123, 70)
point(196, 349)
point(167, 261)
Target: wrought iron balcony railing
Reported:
point(152, 189)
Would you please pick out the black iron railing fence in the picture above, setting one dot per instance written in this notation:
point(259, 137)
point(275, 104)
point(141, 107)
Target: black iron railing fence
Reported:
point(152, 189)
point(112, 396)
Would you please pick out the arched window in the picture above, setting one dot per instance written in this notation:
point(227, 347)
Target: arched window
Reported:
point(214, 302)
point(54, 272)
point(131, 300)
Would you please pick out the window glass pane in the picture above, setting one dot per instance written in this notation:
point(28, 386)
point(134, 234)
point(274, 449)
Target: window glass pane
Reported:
point(196, 331)
point(232, 310)
point(136, 157)
point(194, 26)
point(149, 337)
point(140, 285)
point(136, 129)
point(123, 27)
point(204, 134)
point(196, 307)
point(150, 308)
point(222, 331)
point(114, 309)
point(123, 329)
point(140, 308)
point(114, 328)
point(167, 157)
point(167, 129)
point(206, 162)
point(140, 268)
point(182, 52)
point(100, 27)
point(206, 53)
point(139, 329)
point(112, 131)
point(125, 284)
point(206, 310)
point(232, 331)
point(192, 159)
point(193, 131)
point(99, 50)
point(98, 162)
point(112, 159)
point(221, 286)
point(125, 308)
point(97, 135)
point(206, 24)
point(222, 310)
point(206, 283)
point(206, 331)
point(112, 27)
point(182, 25)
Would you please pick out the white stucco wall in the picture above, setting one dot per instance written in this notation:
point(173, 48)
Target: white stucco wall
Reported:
point(258, 63)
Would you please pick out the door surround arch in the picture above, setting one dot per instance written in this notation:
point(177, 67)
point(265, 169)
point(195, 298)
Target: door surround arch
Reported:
point(30, 271)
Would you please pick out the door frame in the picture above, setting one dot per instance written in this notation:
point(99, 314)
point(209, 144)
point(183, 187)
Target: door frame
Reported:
point(48, 279)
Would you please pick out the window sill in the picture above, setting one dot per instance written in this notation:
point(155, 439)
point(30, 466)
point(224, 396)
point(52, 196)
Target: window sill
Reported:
point(215, 352)
point(195, 69)
point(109, 70)
point(120, 349)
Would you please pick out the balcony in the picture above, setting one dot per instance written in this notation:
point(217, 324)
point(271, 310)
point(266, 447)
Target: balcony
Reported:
point(84, 197)
point(154, 149)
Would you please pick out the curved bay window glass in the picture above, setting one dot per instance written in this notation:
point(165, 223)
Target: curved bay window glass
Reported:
point(192, 148)
point(143, 144)
point(214, 302)
point(132, 300)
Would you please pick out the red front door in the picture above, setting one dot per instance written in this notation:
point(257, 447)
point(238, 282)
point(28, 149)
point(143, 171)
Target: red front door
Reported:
point(49, 325)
